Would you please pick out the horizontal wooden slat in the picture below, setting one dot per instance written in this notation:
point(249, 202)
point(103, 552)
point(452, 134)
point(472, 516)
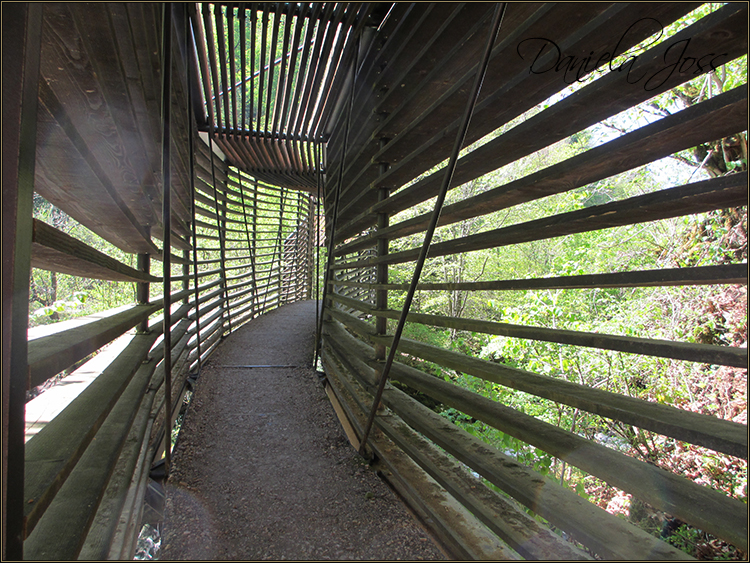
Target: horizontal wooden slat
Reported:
point(716, 118)
point(705, 353)
point(703, 507)
point(59, 252)
point(459, 529)
point(703, 275)
point(61, 531)
point(699, 197)
point(53, 452)
point(51, 354)
point(605, 97)
point(506, 519)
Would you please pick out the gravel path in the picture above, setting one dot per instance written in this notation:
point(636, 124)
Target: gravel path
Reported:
point(263, 470)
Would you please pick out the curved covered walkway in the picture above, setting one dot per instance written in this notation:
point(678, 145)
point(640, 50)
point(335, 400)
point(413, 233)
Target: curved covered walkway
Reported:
point(262, 468)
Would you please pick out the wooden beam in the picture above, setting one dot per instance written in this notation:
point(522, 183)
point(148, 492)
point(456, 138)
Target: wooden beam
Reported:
point(21, 40)
point(704, 353)
point(717, 118)
point(698, 197)
point(62, 529)
point(703, 275)
point(700, 506)
point(51, 354)
point(132, 229)
point(57, 251)
point(455, 527)
point(504, 517)
point(604, 533)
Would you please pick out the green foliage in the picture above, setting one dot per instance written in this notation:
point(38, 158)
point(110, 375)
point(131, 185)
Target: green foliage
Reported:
point(54, 296)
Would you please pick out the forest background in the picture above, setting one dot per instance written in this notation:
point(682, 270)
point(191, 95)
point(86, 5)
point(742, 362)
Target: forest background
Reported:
point(701, 314)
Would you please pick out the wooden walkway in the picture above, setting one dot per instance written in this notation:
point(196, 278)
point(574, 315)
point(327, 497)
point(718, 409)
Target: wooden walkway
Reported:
point(262, 468)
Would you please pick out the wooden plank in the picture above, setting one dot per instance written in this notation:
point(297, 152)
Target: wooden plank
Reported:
point(455, 527)
point(504, 517)
point(121, 143)
point(604, 533)
point(51, 354)
point(603, 98)
point(113, 503)
point(57, 251)
point(703, 275)
point(92, 148)
point(721, 435)
point(45, 407)
point(704, 353)
point(54, 451)
point(699, 197)
point(99, 213)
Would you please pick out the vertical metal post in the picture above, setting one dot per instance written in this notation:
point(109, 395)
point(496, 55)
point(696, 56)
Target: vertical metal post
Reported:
point(223, 240)
point(220, 227)
point(335, 210)
point(460, 136)
point(22, 27)
point(316, 227)
point(191, 156)
point(309, 264)
point(381, 276)
point(143, 288)
point(186, 274)
point(250, 247)
point(277, 246)
point(166, 108)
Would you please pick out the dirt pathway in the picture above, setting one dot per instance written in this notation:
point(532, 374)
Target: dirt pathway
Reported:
point(263, 470)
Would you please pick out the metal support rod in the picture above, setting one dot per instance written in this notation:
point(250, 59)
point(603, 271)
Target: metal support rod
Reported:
point(255, 240)
point(22, 30)
point(280, 244)
point(316, 228)
point(381, 276)
point(275, 247)
point(460, 136)
point(222, 233)
point(334, 215)
point(250, 247)
point(166, 109)
point(191, 156)
point(142, 289)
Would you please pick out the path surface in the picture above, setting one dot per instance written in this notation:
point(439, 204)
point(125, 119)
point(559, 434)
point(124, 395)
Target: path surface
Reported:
point(263, 470)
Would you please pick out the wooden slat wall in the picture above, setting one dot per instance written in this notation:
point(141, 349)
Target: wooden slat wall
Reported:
point(242, 240)
point(98, 160)
point(407, 128)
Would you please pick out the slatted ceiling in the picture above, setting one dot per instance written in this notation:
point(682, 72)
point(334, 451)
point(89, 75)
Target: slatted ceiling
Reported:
point(299, 56)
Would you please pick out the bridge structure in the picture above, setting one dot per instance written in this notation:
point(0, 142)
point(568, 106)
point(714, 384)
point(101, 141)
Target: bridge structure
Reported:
point(217, 148)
